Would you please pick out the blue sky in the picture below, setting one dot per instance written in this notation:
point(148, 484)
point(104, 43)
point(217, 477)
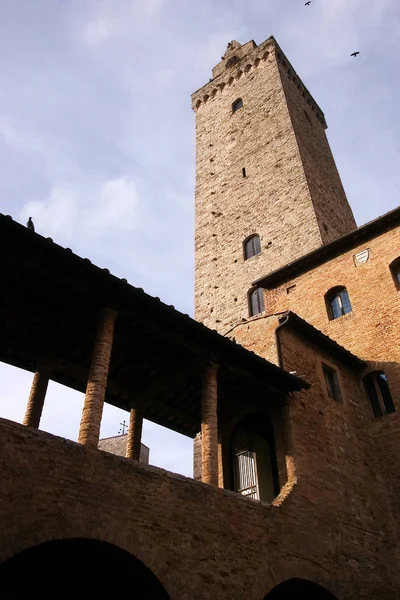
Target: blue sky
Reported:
point(97, 138)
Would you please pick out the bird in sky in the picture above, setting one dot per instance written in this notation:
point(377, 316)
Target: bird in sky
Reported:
point(307, 3)
point(354, 54)
point(30, 224)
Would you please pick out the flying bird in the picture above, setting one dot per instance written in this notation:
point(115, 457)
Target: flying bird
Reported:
point(354, 54)
point(30, 224)
point(307, 3)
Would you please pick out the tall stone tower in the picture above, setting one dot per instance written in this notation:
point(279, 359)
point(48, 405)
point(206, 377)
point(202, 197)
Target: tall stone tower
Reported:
point(263, 167)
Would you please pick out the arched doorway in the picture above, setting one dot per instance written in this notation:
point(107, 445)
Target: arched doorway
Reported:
point(255, 470)
point(78, 568)
point(299, 588)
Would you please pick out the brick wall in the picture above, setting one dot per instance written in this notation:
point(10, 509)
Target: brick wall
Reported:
point(200, 542)
point(371, 330)
point(290, 190)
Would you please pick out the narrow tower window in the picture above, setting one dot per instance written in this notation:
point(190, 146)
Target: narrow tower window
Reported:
point(337, 302)
point(251, 246)
point(332, 383)
point(244, 171)
point(378, 392)
point(395, 270)
point(237, 104)
point(256, 298)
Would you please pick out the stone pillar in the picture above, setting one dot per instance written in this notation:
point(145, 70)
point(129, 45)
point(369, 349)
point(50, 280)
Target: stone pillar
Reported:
point(37, 395)
point(134, 441)
point(89, 431)
point(209, 427)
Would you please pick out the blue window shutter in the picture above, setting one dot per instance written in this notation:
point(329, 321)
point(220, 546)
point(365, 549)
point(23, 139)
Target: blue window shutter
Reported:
point(346, 304)
point(335, 307)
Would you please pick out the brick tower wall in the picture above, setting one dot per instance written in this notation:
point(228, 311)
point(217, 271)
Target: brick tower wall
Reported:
point(334, 215)
point(273, 199)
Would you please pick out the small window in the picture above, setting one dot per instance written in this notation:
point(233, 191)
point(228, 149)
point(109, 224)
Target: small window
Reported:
point(256, 302)
point(337, 302)
point(378, 392)
point(237, 104)
point(232, 61)
point(395, 270)
point(251, 246)
point(332, 383)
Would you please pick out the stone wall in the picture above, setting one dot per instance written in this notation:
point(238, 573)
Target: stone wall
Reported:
point(117, 445)
point(290, 190)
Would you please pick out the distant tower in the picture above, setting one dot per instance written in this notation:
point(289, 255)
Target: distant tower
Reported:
point(263, 168)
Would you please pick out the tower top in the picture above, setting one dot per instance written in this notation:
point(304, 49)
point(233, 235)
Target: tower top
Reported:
point(238, 60)
point(233, 54)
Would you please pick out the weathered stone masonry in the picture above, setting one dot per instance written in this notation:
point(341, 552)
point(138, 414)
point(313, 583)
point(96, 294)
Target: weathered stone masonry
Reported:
point(291, 195)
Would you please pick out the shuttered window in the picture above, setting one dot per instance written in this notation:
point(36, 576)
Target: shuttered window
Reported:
point(337, 302)
point(379, 394)
point(257, 302)
point(252, 246)
point(246, 481)
point(255, 469)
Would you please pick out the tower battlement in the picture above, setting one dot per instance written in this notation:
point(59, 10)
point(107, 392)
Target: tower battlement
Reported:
point(239, 60)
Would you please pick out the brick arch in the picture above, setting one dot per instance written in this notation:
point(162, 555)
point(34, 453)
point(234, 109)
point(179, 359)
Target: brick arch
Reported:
point(295, 588)
point(55, 526)
point(89, 567)
point(299, 568)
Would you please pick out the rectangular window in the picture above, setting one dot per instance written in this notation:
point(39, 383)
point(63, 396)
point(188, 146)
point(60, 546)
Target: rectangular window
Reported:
point(332, 383)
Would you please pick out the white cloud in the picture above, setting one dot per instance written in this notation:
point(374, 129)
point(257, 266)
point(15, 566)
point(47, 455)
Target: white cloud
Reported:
point(109, 21)
point(105, 208)
point(98, 30)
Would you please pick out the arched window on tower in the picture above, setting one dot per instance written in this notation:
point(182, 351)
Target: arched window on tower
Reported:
point(255, 471)
point(237, 104)
point(256, 302)
point(395, 270)
point(251, 246)
point(378, 392)
point(337, 302)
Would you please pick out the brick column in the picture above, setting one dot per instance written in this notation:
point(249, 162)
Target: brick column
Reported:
point(134, 440)
point(89, 431)
point(209, 427)
point(37, 395)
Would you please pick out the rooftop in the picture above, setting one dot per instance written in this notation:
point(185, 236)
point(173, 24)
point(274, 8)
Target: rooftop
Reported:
point(317, 257)
point(52, 298)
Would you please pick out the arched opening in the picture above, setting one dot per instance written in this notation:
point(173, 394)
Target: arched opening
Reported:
point(299, 588)
point(395, 270)
point(255, 468)
point(337, 302)
point(78, 567)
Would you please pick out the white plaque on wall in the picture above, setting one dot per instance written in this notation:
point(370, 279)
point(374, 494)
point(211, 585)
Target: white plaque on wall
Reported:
point(361, 257)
